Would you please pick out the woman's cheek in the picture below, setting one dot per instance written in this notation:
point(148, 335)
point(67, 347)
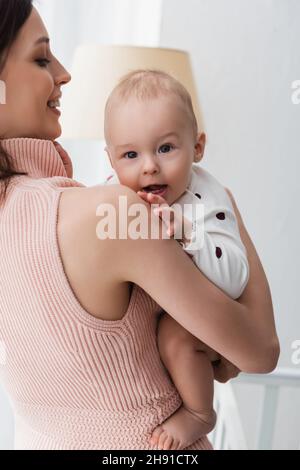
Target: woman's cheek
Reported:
point(44, 84)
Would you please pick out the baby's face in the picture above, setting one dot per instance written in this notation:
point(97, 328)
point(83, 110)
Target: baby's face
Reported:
point(151, 145)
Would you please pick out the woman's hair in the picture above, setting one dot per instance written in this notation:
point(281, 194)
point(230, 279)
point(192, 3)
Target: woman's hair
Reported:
point(13, 15)
point(150, 84)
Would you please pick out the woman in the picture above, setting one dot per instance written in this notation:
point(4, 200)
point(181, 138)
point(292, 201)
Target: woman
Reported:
point(78, 314)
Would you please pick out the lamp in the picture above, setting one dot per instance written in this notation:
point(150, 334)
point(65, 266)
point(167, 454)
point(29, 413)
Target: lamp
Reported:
point(97, 69)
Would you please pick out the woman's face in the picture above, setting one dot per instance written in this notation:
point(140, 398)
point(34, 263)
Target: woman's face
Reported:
point(32, 77)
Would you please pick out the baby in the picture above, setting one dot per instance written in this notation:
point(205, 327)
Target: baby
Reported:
point(153, 144)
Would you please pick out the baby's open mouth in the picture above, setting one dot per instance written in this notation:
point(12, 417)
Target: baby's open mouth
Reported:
point(155, 188)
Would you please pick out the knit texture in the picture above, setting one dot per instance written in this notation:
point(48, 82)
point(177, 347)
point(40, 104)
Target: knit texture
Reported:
point(74, 381)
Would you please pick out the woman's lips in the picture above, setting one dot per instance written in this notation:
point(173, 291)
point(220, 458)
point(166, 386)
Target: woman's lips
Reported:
point(54, 110)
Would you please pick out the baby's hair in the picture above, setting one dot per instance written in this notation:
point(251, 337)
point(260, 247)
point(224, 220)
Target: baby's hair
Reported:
point(145, 84)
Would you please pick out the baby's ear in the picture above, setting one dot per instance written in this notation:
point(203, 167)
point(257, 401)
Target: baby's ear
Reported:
point(199, 147)
point(197, 157)
point(107, 151)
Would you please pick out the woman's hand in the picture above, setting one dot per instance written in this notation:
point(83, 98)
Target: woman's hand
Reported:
point(236, 210)
point(224, 370)
point(67, 162)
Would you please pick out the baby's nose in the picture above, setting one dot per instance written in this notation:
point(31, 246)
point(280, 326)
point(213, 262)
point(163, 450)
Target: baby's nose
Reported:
point(150, 165)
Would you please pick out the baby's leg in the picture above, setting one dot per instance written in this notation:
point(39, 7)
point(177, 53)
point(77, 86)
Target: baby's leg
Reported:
point(186, 359)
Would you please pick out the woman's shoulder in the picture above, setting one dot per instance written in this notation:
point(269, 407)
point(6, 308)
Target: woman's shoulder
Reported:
point(81, 201)
point(80, 211)
point(87, 257)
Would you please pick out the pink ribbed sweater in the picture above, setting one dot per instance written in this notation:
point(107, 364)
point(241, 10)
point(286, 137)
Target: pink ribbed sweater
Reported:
point(74, 381)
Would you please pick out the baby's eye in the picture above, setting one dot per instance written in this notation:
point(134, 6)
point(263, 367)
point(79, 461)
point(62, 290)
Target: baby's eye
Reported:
point(131, 155)
point(166, 148)
point(43, 62)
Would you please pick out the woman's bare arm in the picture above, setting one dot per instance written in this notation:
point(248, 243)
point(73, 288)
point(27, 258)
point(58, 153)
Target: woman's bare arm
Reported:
point(257, 290)
point(225, 370)
point(243, 331)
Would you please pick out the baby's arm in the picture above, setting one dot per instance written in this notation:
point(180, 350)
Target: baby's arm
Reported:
point(219, 252)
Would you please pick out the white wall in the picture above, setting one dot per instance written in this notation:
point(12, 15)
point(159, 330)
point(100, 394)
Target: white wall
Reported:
point(246, 54)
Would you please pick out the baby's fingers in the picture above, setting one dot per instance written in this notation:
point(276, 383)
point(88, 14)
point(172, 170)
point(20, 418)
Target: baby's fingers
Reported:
point(144, 196)
point(152, 198)
point(173, 221)
point(156, 199)
point(166, 213)
point(67, 162)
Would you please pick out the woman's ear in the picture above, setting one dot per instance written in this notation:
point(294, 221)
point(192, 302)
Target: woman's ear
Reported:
point(199, 147)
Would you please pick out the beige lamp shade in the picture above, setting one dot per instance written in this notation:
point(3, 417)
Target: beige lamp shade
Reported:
point(97, 69)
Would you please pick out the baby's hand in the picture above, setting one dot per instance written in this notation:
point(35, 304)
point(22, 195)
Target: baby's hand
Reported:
point(152, 198)
point(172, 220)
point(67, 162)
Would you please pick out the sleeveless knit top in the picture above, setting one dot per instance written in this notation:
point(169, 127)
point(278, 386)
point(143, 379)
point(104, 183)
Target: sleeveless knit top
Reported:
point(74, 381)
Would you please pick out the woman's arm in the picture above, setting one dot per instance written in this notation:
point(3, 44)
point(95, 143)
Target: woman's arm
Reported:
point(257, 292)
point(243, 331)
point(223, 369)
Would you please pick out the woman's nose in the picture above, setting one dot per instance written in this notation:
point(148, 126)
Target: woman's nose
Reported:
point(62, 76)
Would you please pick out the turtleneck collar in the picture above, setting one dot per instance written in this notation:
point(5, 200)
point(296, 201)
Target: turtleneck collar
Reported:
point(38, 158)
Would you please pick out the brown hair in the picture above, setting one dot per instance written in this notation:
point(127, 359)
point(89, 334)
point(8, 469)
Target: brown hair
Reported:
point(13, 14)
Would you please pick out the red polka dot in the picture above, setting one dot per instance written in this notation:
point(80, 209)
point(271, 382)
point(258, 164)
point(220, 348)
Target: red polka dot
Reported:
point(218, 252)
point(220, 216)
